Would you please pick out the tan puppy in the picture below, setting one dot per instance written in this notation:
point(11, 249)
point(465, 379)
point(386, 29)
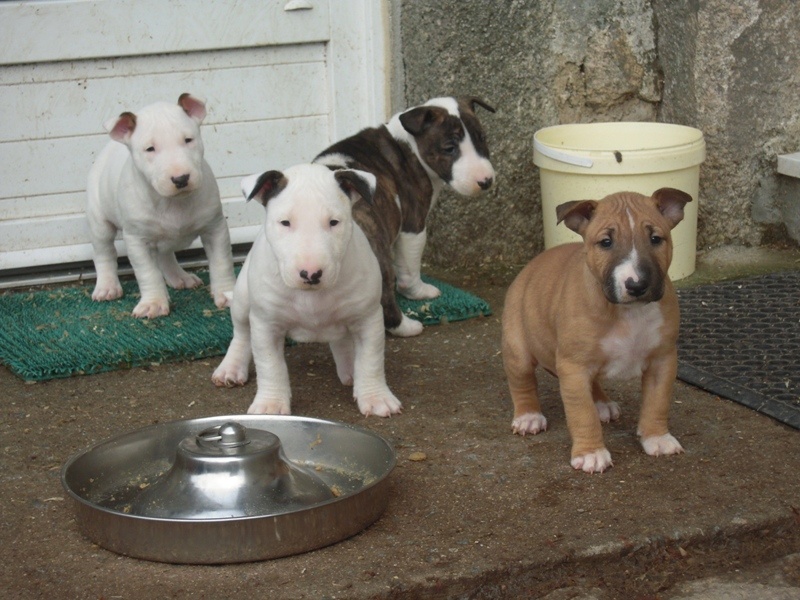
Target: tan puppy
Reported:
point(601, 309)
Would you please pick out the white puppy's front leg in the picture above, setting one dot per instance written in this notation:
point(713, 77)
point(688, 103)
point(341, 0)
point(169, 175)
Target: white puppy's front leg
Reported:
point(369, 378)
point(155, 298)
point(274, 394)
point(408, 249)
point(174, 274)
point(107, 286)
point(343, 351)
point(234, 368)
point(217, 244)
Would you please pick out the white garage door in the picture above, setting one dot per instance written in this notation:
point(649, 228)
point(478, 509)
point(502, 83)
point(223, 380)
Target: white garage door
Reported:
point(282, 79)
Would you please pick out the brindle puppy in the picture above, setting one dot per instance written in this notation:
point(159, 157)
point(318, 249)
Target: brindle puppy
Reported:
point(413, 157)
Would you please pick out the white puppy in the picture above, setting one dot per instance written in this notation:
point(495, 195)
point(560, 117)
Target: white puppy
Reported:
point(311, 275)
point(153, 183)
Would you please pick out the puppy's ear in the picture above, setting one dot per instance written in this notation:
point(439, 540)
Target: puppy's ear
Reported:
point(576, 214)
point(419, 119)
point(193, 107)
point(357, 185)
point(472, 101)
point(263, 187)
point(121, 128)
point(670, 203)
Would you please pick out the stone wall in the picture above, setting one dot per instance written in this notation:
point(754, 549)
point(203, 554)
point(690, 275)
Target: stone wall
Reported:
point(727, 68)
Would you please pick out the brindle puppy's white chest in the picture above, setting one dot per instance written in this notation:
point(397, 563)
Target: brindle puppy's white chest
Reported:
point(631, 340)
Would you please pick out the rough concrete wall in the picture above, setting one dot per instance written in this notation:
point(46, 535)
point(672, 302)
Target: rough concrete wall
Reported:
point(725, 67)
point(733, 68)
point(538, 63)
point(765, 91)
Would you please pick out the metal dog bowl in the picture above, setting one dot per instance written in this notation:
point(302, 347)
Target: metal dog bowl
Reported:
point(229, 489)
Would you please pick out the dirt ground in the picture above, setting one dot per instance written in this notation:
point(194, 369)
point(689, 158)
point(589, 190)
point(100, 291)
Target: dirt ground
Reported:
point(486, 514)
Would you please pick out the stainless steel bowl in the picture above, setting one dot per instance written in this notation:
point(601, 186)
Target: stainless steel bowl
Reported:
point(229, 489)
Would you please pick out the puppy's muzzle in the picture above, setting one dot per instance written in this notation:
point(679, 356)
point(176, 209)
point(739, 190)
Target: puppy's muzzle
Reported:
point(636, 288)
point(643, 290)
point(312, 279)
point(181, 181)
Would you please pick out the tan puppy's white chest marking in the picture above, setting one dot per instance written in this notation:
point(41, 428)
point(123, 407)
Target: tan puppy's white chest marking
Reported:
point(632, 338)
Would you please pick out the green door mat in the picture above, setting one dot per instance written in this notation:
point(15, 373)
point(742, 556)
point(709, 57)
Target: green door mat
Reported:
point(61, 332)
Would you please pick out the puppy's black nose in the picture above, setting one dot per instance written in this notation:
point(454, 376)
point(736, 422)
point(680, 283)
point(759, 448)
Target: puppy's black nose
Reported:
point(486, 183)
point(636, 288)
point(312, 279)
point(180, 182)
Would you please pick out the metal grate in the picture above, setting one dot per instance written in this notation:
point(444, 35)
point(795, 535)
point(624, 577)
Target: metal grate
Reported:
point(741, 340)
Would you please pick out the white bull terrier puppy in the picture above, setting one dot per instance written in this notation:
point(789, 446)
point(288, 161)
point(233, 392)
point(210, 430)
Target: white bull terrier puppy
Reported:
point(153, 183)
point(310, 275)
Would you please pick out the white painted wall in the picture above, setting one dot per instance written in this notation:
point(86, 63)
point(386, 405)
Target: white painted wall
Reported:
point(280, 85)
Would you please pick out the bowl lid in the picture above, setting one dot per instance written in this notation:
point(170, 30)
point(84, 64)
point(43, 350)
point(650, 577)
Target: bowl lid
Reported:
point(230, 471)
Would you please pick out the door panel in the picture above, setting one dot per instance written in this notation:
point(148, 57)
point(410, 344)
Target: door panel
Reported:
point(58, 30)
point(279, 87)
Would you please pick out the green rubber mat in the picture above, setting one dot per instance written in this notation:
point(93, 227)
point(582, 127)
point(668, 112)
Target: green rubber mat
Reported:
point(61, 332)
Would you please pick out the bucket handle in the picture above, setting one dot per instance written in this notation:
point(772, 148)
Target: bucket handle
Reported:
point(570, 159)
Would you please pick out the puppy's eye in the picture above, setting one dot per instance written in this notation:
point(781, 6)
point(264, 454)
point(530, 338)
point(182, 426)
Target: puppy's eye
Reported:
point(334, 222)
point(656, 240)
point(449, 149)
point(286, 223)
point(189, 140)
point(605, 243)
point(150, 149)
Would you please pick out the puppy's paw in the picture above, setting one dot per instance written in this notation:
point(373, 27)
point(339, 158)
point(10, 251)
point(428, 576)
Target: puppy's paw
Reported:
point(593, 462)
point(107, 291)
point(264, 406)
point(149, 309)
point(531, 423)
point(222, 299)
point(230, 375)
point(380, 404)
point(420, 291)
point(607, 411)
point(407, 328)
point(658, 445)
point(183, 281)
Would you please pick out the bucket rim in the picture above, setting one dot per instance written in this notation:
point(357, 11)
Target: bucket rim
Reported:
point(684, 146)
point(697, 134)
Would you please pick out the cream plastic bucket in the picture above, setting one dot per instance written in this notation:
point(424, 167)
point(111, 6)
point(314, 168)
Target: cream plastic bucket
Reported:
point(588, 161)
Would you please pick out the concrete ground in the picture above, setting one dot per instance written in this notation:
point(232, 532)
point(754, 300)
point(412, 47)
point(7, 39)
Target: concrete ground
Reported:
point(484, 514)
